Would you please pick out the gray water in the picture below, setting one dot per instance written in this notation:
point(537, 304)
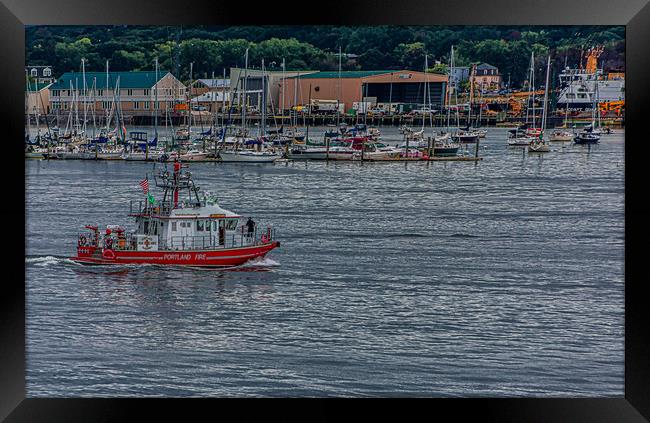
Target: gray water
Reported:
point(502, 278)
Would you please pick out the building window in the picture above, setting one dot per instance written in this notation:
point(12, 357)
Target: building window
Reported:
point(136, 105)
point(47, 72)
point(68, 93)
point(146, 105)
point(34, 72)
point(100, 92)
point(129, 92)
point(55, 93)
point(146, 91)
point(106, 105)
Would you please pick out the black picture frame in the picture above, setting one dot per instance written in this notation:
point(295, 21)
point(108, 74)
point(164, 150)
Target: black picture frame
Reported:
point(635, 15)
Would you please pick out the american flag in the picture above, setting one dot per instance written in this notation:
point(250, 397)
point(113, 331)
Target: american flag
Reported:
point(145, 185)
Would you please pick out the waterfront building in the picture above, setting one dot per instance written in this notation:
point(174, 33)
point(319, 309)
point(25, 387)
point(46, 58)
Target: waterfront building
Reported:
point(386, 87)
point(253, 77)
point(487, 77)
point(137, 92)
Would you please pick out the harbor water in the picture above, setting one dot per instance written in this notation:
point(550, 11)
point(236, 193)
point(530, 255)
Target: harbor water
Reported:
point(498, 278)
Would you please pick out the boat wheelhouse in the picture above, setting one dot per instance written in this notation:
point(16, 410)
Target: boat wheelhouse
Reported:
point(192, 232)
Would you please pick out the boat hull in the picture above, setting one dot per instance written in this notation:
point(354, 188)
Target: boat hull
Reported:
point(235, 157)
point(216, 258)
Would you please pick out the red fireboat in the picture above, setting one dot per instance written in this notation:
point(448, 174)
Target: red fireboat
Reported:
point(196, 232)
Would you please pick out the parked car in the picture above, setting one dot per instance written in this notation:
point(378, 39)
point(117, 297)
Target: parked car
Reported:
point(423, 111)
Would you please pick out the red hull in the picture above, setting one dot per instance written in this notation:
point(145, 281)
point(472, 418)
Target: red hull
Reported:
point(199, 258)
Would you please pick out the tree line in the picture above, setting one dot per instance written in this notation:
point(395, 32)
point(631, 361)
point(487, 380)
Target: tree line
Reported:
point(211, 49)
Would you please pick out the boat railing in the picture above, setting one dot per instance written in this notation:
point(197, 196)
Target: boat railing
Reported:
point(129, 242)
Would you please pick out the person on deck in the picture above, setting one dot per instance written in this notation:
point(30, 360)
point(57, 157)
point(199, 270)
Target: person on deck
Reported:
point(250, 224)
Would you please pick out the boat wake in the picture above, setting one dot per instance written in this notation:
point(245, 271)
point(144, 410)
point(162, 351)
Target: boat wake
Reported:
point(49, 261)
point(259, 262)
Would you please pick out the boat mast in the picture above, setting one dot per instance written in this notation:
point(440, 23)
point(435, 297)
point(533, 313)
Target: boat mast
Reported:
point(425, 93)
point(338, 95)
point(29, 117)
point(283, 82)
point(548, 68)
point(155, 91)
point(84, 93)
point(532, 73)
point(449, 87)
point(262, 126)
point(245, 86)
point(106, 96)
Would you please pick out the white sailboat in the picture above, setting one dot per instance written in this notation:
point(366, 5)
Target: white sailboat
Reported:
point(539, 145)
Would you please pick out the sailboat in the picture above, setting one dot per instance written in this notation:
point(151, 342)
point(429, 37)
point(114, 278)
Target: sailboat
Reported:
point(522, 136)
point(590, 135)
point(442, 143)
point(539, 145)
point(249, 155)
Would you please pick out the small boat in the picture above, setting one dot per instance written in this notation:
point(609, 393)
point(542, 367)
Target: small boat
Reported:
point(193, 233)
point(586, 137)
point(538, 146)
point(248, 156)
point(307, 153)
point(561, 135)
point(194, 156)
point(465, 137)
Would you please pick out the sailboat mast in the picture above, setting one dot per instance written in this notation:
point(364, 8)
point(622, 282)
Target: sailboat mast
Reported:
point(425, 92)
point(84, 92)
point(106, 96)
point(29, 118)
point(449, 82)
point(263, 103)
point(548, 68)
point(243, 112)
point(155, 91)
point(338, 94)
point(532, 73)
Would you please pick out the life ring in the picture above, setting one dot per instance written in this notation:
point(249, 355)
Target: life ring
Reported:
point(108, 254)
point(82, 240)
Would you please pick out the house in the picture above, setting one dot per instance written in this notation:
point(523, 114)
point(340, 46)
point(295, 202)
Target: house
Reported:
point(459, 74)
point(486, 77)
point(40, 74)
point(137, 94)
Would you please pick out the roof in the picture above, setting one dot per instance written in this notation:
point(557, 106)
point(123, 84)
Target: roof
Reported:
point(141, 79)
point(346, 74)
point(485, 66)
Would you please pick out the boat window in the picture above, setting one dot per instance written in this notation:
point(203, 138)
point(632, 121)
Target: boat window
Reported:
point(231, 224)
point(200, 225)
point(174, 226)
point(146, 227)
point(214, 225)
